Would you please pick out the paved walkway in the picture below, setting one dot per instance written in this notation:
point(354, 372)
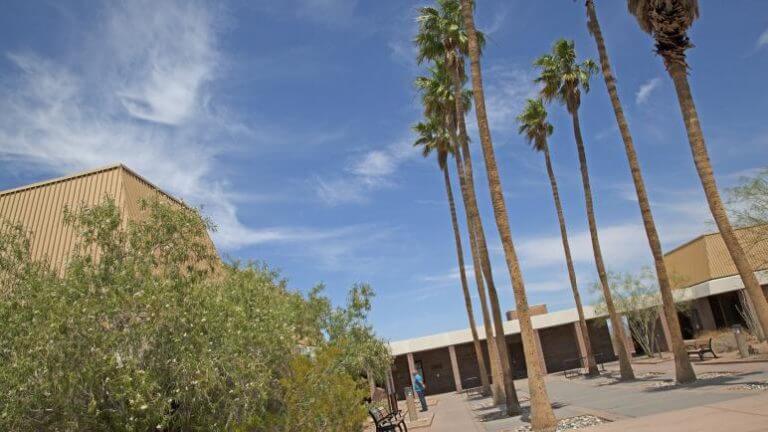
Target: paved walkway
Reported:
point(452, 414)
point(749, 414)
point(650, 403)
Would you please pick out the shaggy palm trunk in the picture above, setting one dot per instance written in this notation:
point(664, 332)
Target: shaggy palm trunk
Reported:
point(542, 416)
point(683, 370)
point(591, 364)
point(497, 388)
point(513, 405)
point(464, 284)
point(679, 75)
point(625, 366)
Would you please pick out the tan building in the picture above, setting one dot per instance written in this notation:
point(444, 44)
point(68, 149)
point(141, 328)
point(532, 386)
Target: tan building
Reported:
point(39, 207)
point(704, 275)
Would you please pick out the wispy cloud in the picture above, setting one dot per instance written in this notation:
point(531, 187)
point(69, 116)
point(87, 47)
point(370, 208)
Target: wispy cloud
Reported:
point(646, 89)
point(507, 90)
point(762, 40)
point(371, 171)
point(140, 93)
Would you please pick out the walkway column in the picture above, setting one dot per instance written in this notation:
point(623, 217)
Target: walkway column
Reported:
point(455, 367)
point(630, 345)
point(665, 328)
point(540, 350)
point(706, 316)
point(411, 369)
point(580, 340)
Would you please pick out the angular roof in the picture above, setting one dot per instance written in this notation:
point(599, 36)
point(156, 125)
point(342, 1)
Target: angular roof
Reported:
point(39, 206)
point(706, 257)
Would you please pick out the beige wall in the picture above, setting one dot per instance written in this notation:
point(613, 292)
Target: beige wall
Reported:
point(707, 258)
point(40, 207)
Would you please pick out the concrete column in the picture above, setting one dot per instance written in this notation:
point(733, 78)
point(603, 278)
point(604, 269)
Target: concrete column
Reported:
point(665, 328)
point(580, 339)
point(628, 339)
point(706, 316)
point(540, 350)
point(411, 369)
point(455, 367)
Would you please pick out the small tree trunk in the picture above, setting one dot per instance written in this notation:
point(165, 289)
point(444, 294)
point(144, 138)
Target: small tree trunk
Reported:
point(591, 364)
point(683, 370)
point(464, 285)
point(618, 328)
point(542, 416)
point(701, 158)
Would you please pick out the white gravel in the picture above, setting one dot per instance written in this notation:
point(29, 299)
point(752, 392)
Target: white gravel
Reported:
point(571, 423)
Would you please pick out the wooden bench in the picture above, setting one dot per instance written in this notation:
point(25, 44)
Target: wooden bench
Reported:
point(386, 421)
point(577, 366)
point(693, 346)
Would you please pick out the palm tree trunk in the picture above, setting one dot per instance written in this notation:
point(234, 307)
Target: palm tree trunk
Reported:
point(542, 416)
point(497, 388)
point(684, 372)
point(513, 404)
point(625, 366)
point(464, 284)
point(591, 364)
point(679, 76)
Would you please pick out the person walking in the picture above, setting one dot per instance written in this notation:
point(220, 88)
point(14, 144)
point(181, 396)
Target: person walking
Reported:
point(419, 387)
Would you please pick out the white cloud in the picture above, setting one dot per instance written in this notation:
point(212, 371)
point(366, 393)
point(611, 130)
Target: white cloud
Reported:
point(762, 40)
point(507, 90)
point(646, 89)
point(139, 92)
point(367, 173)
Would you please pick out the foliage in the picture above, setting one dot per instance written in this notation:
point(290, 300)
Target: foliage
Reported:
point(748, 203)
point(563, 78)
point(637, 297)
point(533, 124)
point(146, 330)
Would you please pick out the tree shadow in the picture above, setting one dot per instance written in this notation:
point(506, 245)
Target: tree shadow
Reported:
point(499, 413)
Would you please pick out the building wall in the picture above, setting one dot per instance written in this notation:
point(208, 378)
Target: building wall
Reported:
point(469, 370)
point(39, 207)
point(560, 347)
point(600, 339)
point(707, 258)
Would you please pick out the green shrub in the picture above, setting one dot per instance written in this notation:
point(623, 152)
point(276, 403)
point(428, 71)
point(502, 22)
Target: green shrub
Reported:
point(145, 331)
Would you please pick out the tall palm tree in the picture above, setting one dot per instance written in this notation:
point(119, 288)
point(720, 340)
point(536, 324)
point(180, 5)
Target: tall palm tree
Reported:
point(432, 137)
point(563, 80)
point(536, 129)
point(668, 21)
point(442, 38)
point(437, 98)
point(683, 370)
point(542, 416)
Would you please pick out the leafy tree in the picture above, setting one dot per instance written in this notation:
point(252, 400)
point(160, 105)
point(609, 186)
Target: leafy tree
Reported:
point(638, 298)
point(749, 208)
point(668, 21)
point(563, 80)
point(146, 330)
point(683, 370)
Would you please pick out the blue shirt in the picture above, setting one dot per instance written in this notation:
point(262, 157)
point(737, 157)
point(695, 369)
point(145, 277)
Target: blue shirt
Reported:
point(418, 383)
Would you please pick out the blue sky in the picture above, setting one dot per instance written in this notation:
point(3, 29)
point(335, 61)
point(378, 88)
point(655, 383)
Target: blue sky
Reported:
point(289, 122)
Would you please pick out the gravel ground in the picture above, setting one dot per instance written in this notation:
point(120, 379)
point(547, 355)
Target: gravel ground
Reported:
point(571, 423)
point(752, 386)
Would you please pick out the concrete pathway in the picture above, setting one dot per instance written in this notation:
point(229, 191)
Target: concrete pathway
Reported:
point(748, 414)
point(452, 414)
point(651, 396)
